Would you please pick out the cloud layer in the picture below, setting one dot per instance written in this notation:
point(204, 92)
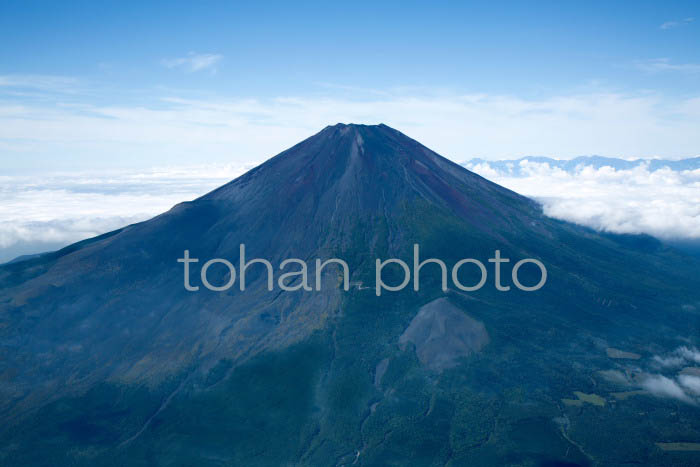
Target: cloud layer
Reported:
point(48, 211)
point(60, 208)
point(662, 202)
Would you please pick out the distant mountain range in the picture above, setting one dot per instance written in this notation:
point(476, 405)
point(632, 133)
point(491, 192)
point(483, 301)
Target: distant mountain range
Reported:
point(106, 359)
point(514, 167)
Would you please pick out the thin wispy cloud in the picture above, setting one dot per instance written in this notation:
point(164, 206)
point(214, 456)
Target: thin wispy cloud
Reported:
point(47, 83)
point(674, 24)
point(658, 65)
point(459, 126)
point(194, 62)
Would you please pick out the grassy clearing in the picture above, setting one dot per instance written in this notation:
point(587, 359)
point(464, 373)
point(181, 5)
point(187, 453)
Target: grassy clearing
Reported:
point(582, 398)
point(679, 446)
point(626, 394)
point(621, 354)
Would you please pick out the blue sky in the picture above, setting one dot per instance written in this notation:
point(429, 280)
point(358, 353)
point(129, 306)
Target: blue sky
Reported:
point(94, 84)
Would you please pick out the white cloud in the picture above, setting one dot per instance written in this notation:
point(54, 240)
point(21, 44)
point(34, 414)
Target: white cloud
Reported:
point(690, 354)
point(663, 202)
point(193, 62)
point(682, 356)
point(690, 383)
point(69, 206)
point(662, 386)
point(669, 362)
point(673, 384)
point(62, 208)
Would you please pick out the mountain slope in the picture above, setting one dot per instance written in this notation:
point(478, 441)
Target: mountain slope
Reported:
point(107, 359)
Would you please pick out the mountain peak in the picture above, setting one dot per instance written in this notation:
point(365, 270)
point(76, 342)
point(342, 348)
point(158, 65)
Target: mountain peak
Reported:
point(343, 129)
point(365, 171)
point(341, 126)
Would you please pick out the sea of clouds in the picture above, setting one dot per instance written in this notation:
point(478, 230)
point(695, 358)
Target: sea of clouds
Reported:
point(661, 202)
point(45, 211)
point(42, 212)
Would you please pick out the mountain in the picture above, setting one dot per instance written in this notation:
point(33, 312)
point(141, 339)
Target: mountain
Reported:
point(23, 258)
point(514, 167)
point(106, 358)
